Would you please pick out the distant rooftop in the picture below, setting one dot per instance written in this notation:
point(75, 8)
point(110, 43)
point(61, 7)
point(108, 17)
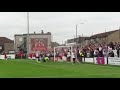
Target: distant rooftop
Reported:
point(5, 40)
point(102, 35)
point(42, 33)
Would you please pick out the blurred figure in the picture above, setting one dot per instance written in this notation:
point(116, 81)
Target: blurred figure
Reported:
point(37, 55)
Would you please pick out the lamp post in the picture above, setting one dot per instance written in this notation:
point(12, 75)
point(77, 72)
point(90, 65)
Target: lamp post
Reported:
point(119, 32)
point(77, 32)
point(28, 34)
point(76, 37)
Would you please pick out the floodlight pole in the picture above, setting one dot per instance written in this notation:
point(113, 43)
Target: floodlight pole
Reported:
point(76, 34)
point(105, 36)
point(119, 32)
point(54, 53)
point(28, 34)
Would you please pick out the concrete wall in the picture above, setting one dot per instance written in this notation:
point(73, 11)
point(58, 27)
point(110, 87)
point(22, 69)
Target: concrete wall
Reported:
point(114, 37)
point(8, 47)
point(19, 39)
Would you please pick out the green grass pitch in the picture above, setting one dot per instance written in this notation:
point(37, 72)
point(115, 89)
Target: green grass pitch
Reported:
point(32, 69)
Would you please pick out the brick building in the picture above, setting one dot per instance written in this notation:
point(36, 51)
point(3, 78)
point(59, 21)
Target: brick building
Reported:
point(21, 41)
point(6, 44)
point(107, 37)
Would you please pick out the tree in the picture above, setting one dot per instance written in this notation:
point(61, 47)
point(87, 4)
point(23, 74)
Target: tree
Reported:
point(54, 44)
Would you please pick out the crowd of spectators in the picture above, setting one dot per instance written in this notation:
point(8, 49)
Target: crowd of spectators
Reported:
point(88, 51)
point(101, 50)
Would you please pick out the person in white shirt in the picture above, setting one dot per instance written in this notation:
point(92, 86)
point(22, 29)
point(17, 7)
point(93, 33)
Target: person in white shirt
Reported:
point(96, 52)
point(73, 57)
point(109, 49)
point(100, 48)
point(68, 56)
point(105, 53)
point(37, 55)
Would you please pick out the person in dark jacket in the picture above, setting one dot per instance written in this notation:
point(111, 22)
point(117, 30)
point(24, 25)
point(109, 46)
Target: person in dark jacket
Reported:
point(118, 51)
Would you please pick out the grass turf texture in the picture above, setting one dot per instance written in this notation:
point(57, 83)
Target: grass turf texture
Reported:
point(32, 69)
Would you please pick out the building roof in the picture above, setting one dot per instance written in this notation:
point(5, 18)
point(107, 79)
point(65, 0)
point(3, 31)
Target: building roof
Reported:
point(77, 39)
point(48, 33)
point(102, 35)
point(38, 34)
point(5, 40)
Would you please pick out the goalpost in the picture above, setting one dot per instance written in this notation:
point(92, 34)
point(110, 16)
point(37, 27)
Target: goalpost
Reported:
point(71, 50)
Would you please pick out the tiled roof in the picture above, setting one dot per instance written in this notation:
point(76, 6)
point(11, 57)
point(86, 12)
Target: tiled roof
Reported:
point(102, 35)
point(5, 40)
point(80, 38)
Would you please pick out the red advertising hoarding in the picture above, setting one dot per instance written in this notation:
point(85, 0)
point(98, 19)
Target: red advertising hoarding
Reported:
point(39, 43)
point(100, 60)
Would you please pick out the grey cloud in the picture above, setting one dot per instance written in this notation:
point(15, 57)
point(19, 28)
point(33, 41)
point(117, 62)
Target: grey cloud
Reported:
point(61, 24)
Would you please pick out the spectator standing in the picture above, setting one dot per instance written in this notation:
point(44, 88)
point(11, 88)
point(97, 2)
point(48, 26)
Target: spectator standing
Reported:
point(5, 56)
point(118, 50)
point(37, 55)
point(68, 56)
point(73, 57)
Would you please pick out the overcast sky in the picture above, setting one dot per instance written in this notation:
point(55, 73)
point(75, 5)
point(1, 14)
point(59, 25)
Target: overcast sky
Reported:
point(62, 25)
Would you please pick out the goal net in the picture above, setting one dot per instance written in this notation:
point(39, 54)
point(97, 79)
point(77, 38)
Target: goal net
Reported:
point(61, 53)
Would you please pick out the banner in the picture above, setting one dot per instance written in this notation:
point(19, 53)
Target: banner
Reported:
point(114, 60)
point(9, 56)
point(90, 60)
point(100, 60)
point(39, 44)
point(83, 59)
point(2, 57)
